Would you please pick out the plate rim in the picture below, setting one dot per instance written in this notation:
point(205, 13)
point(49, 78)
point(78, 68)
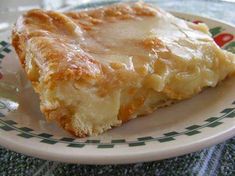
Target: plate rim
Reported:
point(120, 158)
point(123, 159)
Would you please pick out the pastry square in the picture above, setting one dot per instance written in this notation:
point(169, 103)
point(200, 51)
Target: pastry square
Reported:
point(96, 69)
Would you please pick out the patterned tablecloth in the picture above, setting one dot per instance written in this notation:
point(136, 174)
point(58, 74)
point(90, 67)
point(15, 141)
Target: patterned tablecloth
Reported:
point(216, 160)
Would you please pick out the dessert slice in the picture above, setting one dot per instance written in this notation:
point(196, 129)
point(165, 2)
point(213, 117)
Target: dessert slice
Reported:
point(99, 68)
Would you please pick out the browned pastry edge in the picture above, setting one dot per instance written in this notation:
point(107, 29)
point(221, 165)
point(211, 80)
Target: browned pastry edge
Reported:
point(29, 36)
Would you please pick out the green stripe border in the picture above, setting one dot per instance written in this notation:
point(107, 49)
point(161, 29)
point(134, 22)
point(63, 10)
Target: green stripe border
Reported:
point(27, 133)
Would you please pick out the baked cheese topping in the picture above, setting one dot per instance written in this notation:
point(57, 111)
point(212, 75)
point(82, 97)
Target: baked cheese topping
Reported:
point(99, 68)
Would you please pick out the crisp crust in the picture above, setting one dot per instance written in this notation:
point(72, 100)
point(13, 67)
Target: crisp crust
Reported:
point(61, 50)
point(44, 34)
point(48, 32)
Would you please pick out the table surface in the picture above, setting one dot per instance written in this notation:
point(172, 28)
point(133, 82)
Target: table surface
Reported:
point(216, 160)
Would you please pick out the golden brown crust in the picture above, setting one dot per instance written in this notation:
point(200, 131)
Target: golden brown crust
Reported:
point(51, 36)
point(64, 119)
point(59, 48)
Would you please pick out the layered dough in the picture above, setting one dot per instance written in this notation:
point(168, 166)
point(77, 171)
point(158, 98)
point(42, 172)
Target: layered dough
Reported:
point(96, 69)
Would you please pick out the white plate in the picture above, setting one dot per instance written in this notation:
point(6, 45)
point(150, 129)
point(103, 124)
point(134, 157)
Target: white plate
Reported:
point(204, 120)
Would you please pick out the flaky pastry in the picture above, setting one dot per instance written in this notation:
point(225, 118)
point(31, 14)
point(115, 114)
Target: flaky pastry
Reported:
point(96, 69)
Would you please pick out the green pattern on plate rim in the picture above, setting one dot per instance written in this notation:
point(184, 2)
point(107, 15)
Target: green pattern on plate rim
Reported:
point(27, 133)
